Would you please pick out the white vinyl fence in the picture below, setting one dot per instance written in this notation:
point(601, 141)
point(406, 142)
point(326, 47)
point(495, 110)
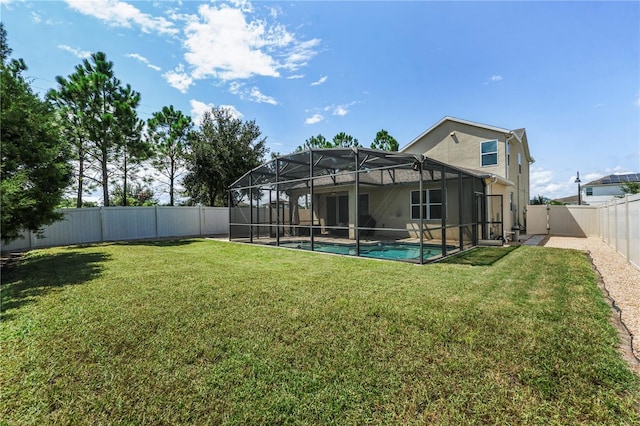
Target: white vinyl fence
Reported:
point(99, 224)
point(617, 223)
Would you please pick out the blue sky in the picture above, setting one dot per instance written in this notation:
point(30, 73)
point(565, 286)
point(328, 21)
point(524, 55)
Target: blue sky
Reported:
point(568, 72)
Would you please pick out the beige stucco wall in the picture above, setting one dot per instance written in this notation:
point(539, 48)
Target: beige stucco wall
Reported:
point(462, 149)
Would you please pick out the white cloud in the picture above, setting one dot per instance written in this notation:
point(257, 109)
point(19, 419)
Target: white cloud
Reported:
point(296, 76)
point(36, 18)
point(257, 96)
point(319, 82)
point(229, 44)
point(543, 182)
point(121, 14)
point(82, 54)
point(340, 110)
point(178, 79)
point(494, 79)
point(198, 109)
point(300, 54)
point(315, 118)
point(223, 45)
point(143, 60)
point(252, 94)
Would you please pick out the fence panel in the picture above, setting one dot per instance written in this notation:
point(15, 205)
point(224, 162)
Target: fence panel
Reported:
point(98, 224)
point(178, 221)
point(573, 221)
point(537, 220)
point(77, 227)
point(215, 220)
point(634, 230)
point(620, 221)
point(128, 223)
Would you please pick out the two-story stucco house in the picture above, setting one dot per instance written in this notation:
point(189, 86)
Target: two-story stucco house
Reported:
point(607, 188)
point(500, 155)
point(457, 185)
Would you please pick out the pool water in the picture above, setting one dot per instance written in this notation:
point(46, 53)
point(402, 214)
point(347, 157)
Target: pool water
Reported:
point(392, 251)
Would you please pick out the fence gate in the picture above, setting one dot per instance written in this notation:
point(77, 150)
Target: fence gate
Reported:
point(489, 217)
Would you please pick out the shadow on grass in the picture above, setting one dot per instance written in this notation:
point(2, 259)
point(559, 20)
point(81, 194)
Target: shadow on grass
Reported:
point(169, 242)
point(26, 280)
point(480, 256)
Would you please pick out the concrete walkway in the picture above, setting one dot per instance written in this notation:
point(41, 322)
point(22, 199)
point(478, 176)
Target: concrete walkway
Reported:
point(532, 240)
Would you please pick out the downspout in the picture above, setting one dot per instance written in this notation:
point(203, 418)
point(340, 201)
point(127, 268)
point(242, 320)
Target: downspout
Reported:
point(493, 179)
point(508, 136)
point(512, 135)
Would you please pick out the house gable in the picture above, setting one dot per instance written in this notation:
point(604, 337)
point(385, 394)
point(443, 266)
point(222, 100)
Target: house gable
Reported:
point(504, 161)
point(459, 142)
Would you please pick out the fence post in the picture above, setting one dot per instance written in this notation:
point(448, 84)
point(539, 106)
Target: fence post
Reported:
point(615, 224)
point(156, 216)
point(102, 225)
point(627, 228)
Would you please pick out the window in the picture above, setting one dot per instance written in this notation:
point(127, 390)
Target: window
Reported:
point(338, 210)
point(520, 163)
point(589, 190)
point(432, 207)
point(489, 153)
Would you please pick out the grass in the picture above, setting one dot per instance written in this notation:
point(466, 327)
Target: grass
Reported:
point(206, 332)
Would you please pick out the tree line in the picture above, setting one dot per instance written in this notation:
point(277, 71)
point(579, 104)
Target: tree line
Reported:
point(86, 136)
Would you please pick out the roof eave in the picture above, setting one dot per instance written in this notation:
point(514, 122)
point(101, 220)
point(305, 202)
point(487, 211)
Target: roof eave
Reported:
point(457, 120)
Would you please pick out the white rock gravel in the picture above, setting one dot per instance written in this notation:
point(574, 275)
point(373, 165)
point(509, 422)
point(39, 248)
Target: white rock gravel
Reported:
point(621, 279)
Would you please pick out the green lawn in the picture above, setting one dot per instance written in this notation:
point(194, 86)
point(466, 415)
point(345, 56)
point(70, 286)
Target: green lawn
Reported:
point(207, 332)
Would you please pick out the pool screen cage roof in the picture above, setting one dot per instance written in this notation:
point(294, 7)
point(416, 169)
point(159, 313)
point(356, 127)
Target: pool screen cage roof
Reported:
point(359, 201)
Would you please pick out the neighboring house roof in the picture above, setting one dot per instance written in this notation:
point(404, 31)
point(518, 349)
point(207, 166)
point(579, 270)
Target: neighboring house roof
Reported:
point(520, 134)
point(615, 179)
point(572, 199)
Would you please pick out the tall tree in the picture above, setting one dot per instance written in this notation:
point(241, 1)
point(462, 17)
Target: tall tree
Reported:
point(384, 141)
point(343, 140)
point(223, 149)
point(72, 103)
point(137, 195)
point(315, 142)
point(103, 115)
point(169, 131)
point(130, 149)
point(34, 166)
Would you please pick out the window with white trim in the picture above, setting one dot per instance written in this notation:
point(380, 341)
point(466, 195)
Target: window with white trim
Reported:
point(431, 207)
point(519, 163)
point(489, 153)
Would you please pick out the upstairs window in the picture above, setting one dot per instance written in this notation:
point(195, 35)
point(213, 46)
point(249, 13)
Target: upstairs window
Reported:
point(432, 206)
point(520, 163)
point(489, 153)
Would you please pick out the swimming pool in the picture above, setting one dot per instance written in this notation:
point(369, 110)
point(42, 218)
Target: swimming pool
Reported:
point(391, 251)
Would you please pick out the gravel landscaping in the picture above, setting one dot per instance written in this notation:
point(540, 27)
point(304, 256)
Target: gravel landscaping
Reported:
point(621, 280)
